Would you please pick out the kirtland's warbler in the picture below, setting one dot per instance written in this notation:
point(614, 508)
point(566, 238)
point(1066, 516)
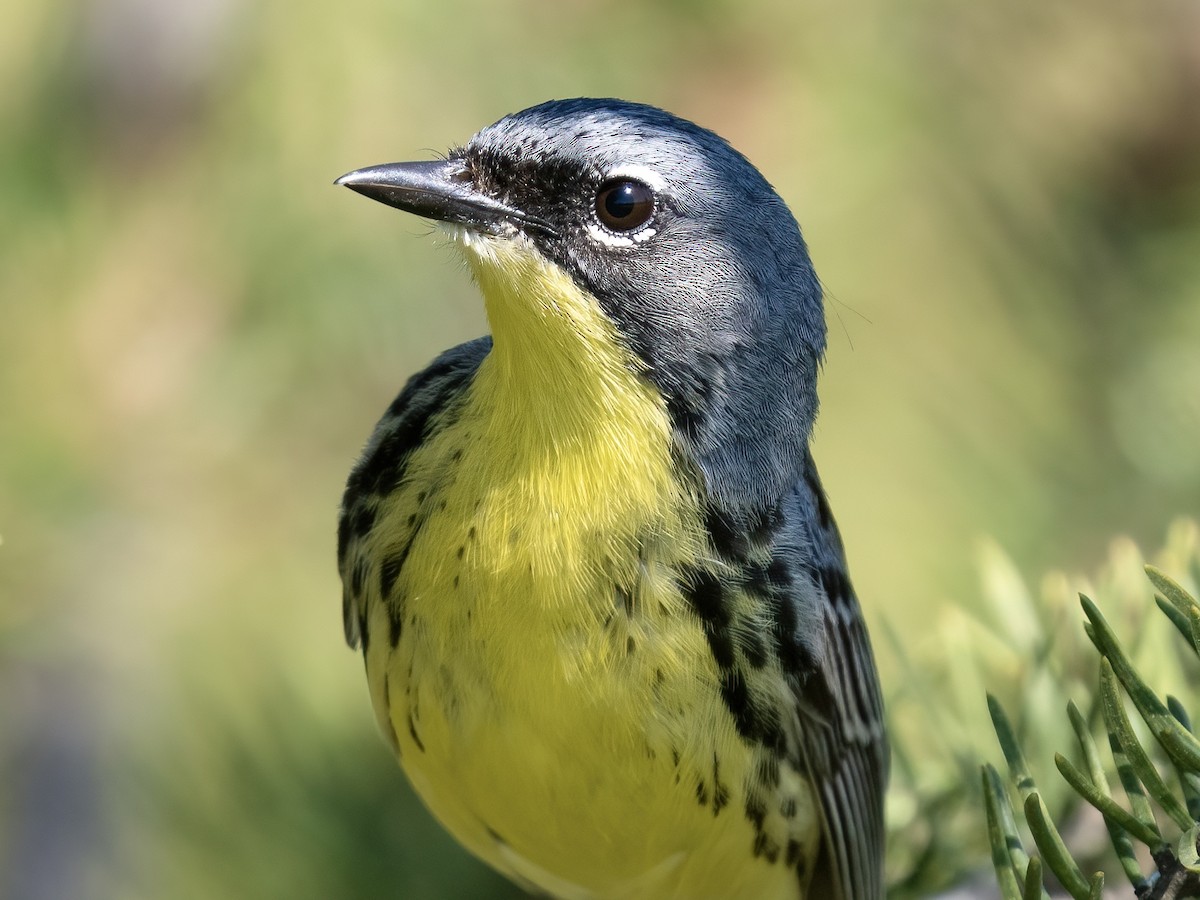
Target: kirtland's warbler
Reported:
point(603, 604)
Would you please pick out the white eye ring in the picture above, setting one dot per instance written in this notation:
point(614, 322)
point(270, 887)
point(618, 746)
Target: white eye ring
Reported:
point(614, 239)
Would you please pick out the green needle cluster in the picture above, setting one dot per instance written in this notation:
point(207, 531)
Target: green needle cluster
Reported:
point(1141, 751)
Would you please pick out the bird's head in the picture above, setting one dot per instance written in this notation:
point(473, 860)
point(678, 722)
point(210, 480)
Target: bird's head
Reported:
point(680, 241)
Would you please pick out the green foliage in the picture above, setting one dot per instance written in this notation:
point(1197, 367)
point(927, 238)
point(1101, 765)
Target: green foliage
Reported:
point(1166, 742)
point(1024, 646)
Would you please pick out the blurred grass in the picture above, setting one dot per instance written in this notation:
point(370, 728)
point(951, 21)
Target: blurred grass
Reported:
point(199, 331)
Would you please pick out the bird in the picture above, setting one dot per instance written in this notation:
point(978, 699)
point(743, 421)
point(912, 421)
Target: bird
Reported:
point(602, 601)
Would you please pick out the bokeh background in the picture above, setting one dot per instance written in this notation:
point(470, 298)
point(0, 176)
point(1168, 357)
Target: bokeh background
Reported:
point(198, 331)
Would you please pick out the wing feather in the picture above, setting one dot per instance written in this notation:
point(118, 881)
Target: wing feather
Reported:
point(842, 740)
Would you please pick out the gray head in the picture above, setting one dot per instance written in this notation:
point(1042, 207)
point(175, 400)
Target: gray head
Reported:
point(685, 246)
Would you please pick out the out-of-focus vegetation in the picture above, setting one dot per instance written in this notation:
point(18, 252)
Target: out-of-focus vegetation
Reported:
point(1157, 861)
point(199, 331)
point(1027, 649)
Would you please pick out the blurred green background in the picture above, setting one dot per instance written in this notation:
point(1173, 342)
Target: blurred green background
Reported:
point(199, 331)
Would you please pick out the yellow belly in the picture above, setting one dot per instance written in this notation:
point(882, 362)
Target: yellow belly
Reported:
point(555, 702)
point(549, 692)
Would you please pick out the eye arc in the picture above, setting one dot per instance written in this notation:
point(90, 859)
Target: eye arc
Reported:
point(624, 204)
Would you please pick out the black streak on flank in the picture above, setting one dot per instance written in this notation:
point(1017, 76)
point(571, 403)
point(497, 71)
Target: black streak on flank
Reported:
point(701, 792)
point(412, 729)
point(706, 595)
point(770, 579)
point(754, 649)
point(720, 792)
point(395, 622)
point(794, 858)
point(756, 811)
point(727, 538)
point(343, 538)
point(765, 846)
point(779, 574)
point(393, 741)
point(736, 538)
point(737, 699)
point(363, 634)
point(362, 520)
point(793, 659)
point(358, 577)
point(389, 572)
point(754, 579)
point(763, 524)
point(380, 473)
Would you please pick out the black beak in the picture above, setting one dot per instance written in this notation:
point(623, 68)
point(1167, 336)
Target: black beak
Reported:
point(441, 190)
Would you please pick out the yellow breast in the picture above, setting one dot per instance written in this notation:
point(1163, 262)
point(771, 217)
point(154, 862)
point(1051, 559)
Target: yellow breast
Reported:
point(550, 694)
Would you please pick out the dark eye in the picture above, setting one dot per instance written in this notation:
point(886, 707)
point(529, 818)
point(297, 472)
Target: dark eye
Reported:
point(624, 205)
